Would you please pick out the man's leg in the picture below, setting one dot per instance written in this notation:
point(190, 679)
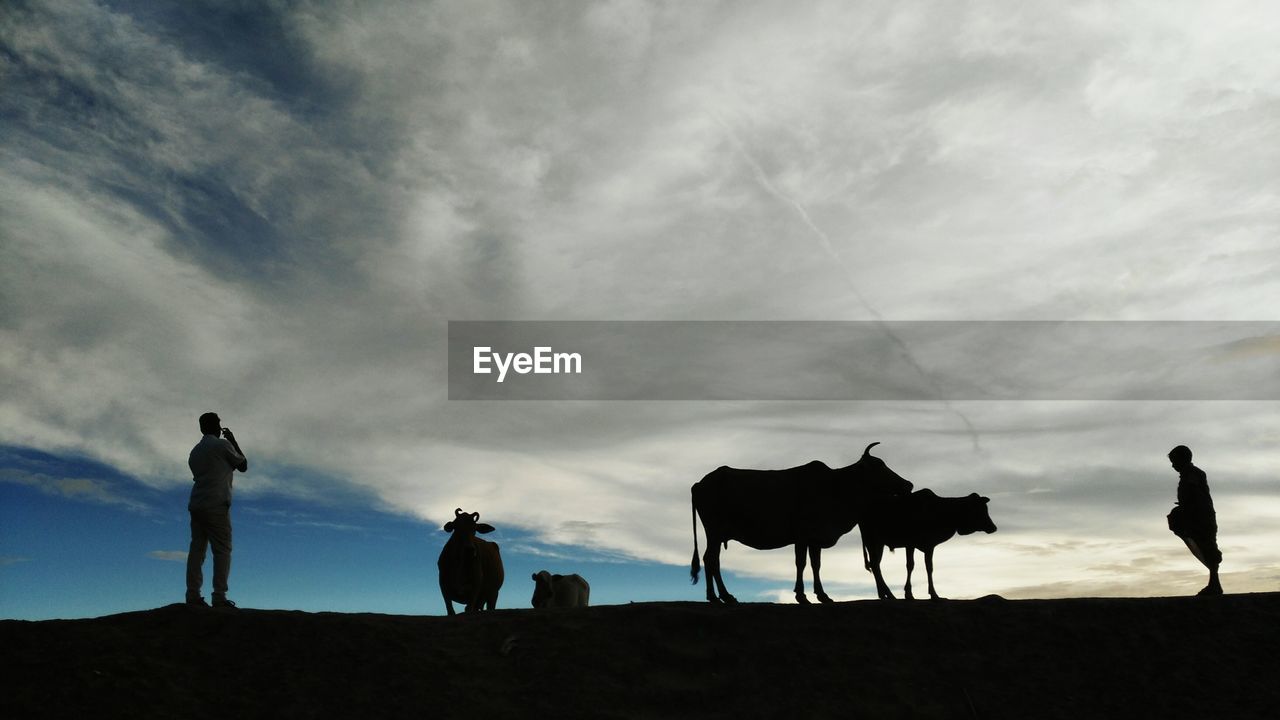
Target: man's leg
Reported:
point(195, 557)
point(219, 530)
point(1212, 559)
point(1194, 547)
point(1205, 548)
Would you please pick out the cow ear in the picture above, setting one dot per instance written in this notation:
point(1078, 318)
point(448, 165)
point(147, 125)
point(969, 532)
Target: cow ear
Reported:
point(986, 500)
point(535, 577)
point(448, 527)
point(484, 528)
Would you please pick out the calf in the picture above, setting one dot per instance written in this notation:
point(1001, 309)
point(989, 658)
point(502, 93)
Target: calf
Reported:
point(559, 590)
point(919, 520)
point(470, 568)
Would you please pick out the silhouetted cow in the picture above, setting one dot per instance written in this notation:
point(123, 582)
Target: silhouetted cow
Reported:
point(809, 506)
point(560, 590)
point(919, 520)
point(470, 568)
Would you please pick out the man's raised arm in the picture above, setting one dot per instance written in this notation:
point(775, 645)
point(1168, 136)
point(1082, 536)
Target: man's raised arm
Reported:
point(244, 462)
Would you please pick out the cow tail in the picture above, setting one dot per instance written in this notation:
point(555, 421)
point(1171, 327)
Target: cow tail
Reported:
point(695, 567)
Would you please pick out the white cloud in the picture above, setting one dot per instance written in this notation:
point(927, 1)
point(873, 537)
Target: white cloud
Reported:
point(1110, 162)
point(170, 555)
point(74, 488)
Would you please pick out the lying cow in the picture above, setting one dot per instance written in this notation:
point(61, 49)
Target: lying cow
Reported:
point(470, 568)
point(919, 520)
point(556, 591)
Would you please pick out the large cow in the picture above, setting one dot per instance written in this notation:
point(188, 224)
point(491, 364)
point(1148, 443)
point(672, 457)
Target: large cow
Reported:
point(809, 506)
point(557, 591)
point(919, 520)
point(470, 568)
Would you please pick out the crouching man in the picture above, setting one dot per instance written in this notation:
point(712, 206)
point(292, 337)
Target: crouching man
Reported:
point(1193, 518)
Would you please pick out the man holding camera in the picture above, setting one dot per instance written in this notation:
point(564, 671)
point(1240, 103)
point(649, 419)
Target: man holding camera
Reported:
point(212, 462)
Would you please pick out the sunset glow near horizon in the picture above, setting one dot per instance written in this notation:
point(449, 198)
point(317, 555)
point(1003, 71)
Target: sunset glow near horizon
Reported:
point(275, 212)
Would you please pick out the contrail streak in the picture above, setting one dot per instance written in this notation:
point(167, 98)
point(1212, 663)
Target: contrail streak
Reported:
point(825, 241)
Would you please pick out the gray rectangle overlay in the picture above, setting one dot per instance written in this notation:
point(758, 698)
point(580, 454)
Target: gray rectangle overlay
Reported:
point(865, 360)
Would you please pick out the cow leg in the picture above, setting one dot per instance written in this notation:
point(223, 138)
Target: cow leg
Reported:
point(928, 568)
point(711, 562)
point(448, 604)
point(800, 596)
point(711, 567)
point(815, 559)
point(911, 565)
point(875, 552)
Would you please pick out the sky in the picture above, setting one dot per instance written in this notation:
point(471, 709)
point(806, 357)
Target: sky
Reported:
point(274, 211)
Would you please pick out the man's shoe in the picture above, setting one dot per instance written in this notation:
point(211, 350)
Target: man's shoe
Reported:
point(1210, 590)
point(223, 603)
point(197, 602)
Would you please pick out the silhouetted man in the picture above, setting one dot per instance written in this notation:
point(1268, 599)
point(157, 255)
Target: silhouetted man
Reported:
point(1193, 518)
point(212, 462)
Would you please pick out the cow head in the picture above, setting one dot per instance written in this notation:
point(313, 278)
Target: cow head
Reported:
point(464, 526)
point(974, 516)
point(877, 476)
point(542, 589)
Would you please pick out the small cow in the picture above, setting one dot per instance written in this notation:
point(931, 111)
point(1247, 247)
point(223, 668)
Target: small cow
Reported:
point(555, 591)
point(470, 568)
point(919, 520)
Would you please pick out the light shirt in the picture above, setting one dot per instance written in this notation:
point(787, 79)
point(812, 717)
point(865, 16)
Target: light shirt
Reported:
point(212, 462)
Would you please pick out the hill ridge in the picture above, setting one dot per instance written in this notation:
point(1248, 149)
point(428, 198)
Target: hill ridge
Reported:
point(986, 658)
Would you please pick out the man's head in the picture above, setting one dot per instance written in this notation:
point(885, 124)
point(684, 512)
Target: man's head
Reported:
point(211, 424)
point(1180, 457)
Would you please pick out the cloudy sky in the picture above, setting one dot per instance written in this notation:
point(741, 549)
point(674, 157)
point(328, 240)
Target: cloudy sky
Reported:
point(273, 210)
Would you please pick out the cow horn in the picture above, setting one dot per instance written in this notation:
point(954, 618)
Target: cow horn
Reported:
point(868, 450)
point(457, 512)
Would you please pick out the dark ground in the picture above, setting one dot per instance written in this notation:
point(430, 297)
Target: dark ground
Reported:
point(989, 658)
